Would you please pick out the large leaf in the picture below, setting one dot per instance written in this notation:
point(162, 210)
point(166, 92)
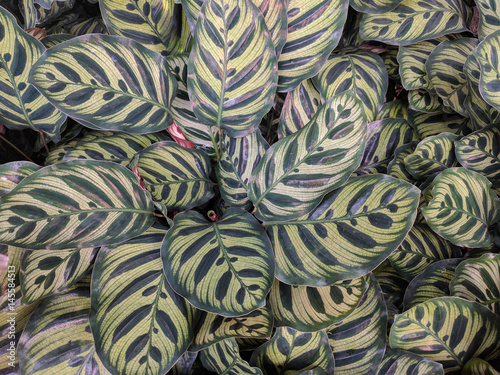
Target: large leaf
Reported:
point(57, 339)
point(310, 309)
point(176, 176)
point(480, 152)
point(224, 267)
point(212, 328)
point(358, 343)
point(478, 280)
point(238, 160)
point(45, 272)
point(67, 205)
point(445, 67)
point(297, 171)
point(462, 208)
point(374, 6)
point(487, 55)
point(448, 330)
point(21, 105)
point(157, 24)
point(411, 22)
point(419, 249)
point(489, 17)
point(139, 324)
point(291, 351)
point(224, 358)
point(362, 73)
point(427, 124)
point(314, 30)
point(368, 218)
point(11, 174)
point(401, 362)
point(107, 82)
point(232, 67)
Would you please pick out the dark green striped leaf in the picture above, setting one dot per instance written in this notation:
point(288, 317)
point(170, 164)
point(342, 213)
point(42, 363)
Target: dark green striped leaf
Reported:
point(431, 283)
point(139, 324)
point(423, 101)
point(11, 174)
point(390, 59)
point(132, 94)
point(224, 358)
point(445, 67)
point(480, 152)
point(395, 109)
point(478, 366)
point(232, 67)
point(176, 176)
point(486, 55)
point(448, 330)
point(489, 17)
point(314, 30)
point(358, 342)
point(299, 108)
point(156, 24)
point(82, 26)
point(212, 328)
point(291, 351)
point(297, 171)
point(411, 22)
point(393, 285)
point(362, 73)
point(55, 39)
point(396, 168)
point(401, 362)
point(374, 6)
point(21, 105)
point(432, 155)
point(419, 249)
point(478, 280)
point(67, 205)
point(238, 160)
point(224, 267)
point(462, 198)
point(46, 272)
point(427, 124)
point(368, 217)
point(310, 309)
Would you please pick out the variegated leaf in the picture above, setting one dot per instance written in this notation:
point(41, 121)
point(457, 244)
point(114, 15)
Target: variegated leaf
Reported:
point(11, 174)
point(402, 362)
point(487, 55)
point(393, 285)
point(423, 101)
point(395, 109)
point(224, 358)
point(489, 17)
point(427, 124)
point(374, 6)
point(396, 168)
point(478, 366)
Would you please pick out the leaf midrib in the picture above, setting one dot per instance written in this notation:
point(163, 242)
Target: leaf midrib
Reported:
point(70, 213)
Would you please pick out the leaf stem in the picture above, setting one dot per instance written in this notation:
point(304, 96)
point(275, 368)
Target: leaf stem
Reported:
point(15, 147)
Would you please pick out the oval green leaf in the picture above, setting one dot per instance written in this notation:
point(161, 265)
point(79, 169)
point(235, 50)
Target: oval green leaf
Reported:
point(489, 17)
point(401, 362)
point(487, 55)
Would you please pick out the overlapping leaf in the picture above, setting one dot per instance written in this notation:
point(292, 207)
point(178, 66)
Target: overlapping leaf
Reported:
point(478, 366)
point(238, 160)
point(362, 73)
point(462, 208)
point(480, 152)
point(224, 267)
point(368, 217)
point(396, 168)
point(294, 352)
point(478, 280)
point(423, 101)
point(297, 171)
point(310, 309)
point(401, 362)
point(393, 285)
point(157, 24)
point(358, 343)
point(212, 328)
point(427, 124)
point(55, 39)
point(374, 6)
point(11, 174)
point(139, 324)
point(489, 17)
point(75, 204)
point(487, 55)
point(396, 109)
point(448, 330)
point(175, 175)
point(412, 22)
point(232, 67)
point(21, 105)
point(107, 82)
point(224, 358)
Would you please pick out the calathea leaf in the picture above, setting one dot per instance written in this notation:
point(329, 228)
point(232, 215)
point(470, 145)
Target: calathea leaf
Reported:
point(478, 366)
point(297, 171)
point(232, 67)
point(224, 267)
point(393, 285)
point(486, 55)
point(238, 160)
point(67, 205)
point(294, 351)
point(427, 124)
point(11, 174)
point(212, 328)
point(314, 30)
point(156, 24)
point(402, 362)
point(368, 218)
point(489, 17)
point(423, 101)
point(176, 176)
point(132, 94)
point(478, 280)
point(224, 358)
point(310, 309)
point(412, 22)
point(21, 105)
point(55, 39)
point(462, 198)
point(362, 73)
point(139, 324)
point(396, 168)
point(374, 6)
point(395, 109)
point(448, 330)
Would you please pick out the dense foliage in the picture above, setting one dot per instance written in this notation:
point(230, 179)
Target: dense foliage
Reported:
point(250, 186)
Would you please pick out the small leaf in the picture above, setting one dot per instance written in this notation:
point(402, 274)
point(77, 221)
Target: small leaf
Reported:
point(374, 6)
point(487, 55)
point(427, 124)
point(423, 101)
point(224, 358)
point(489, 17)
point(401, 362)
